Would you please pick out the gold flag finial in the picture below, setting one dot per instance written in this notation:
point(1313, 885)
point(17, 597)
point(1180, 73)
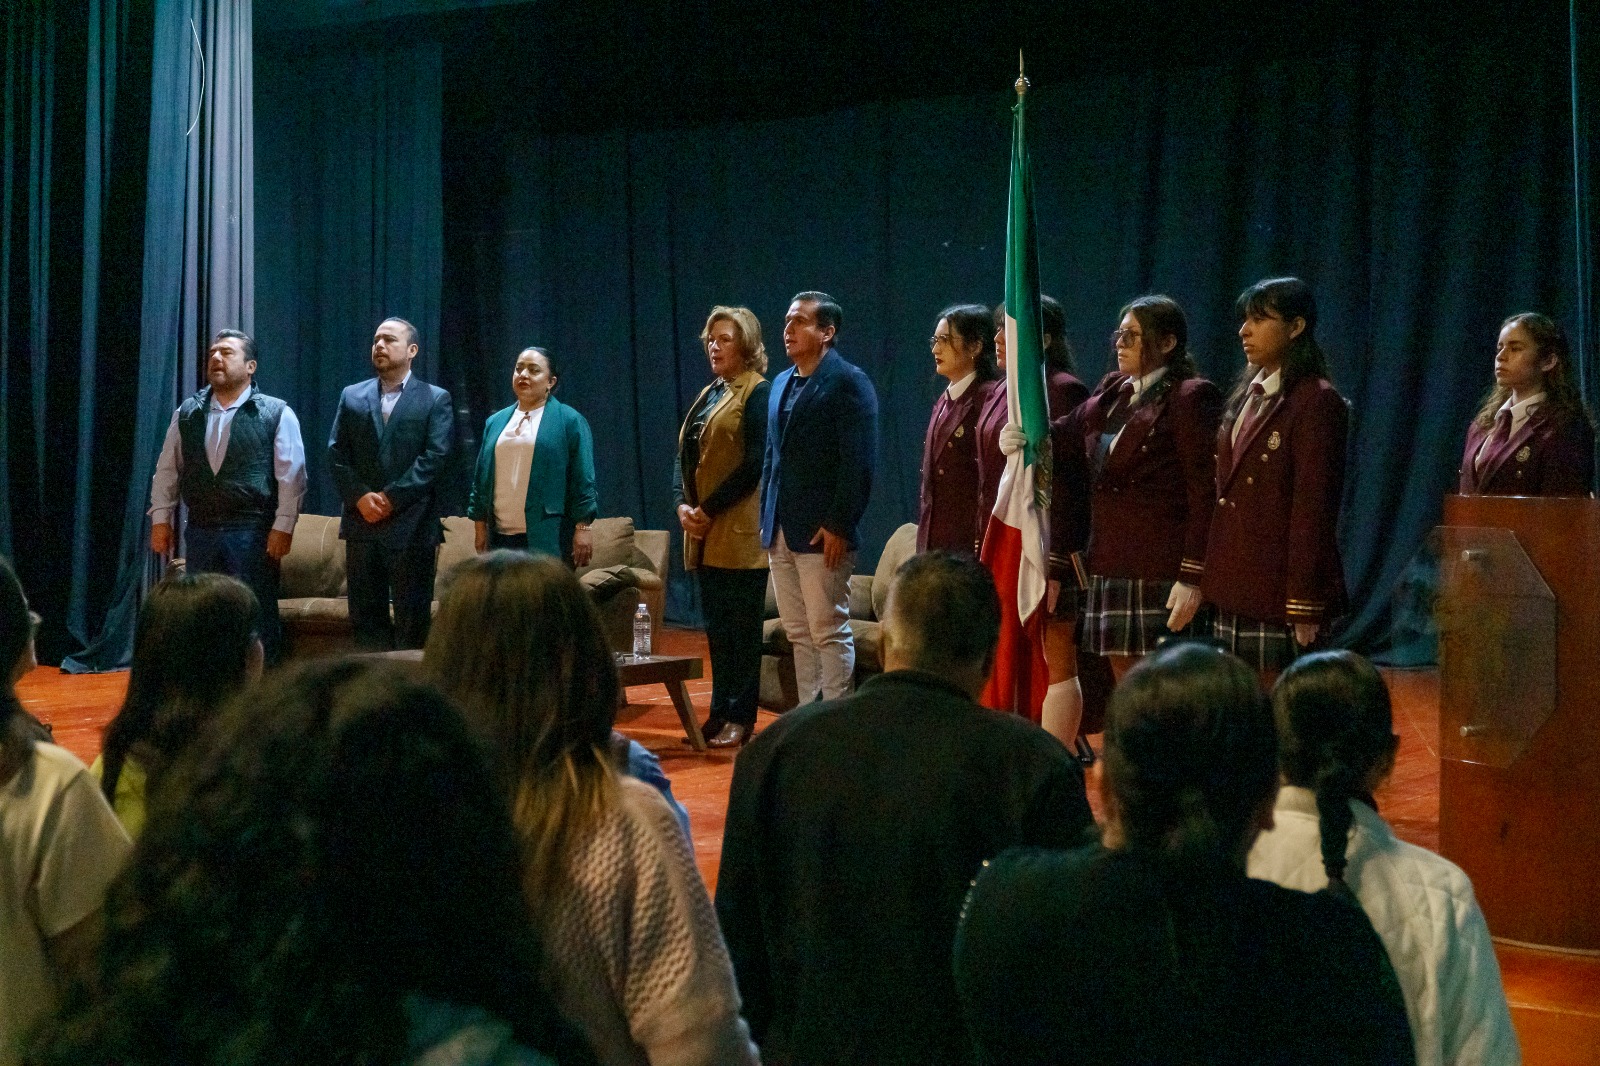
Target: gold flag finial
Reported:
point(1022, 81)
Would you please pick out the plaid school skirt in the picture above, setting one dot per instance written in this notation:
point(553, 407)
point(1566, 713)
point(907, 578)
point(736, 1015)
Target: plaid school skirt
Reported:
point(1267, 647)
point(1128, 616)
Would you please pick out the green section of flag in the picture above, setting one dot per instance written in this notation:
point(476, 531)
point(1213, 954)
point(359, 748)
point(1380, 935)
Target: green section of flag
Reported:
point(1022, 295)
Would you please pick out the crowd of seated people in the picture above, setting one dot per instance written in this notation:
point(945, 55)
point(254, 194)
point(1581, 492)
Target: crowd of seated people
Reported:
point(343, 862)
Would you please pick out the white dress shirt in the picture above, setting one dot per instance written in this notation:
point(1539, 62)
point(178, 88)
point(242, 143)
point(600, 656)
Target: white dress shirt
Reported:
point(388, 397)
point(513, 458)
point(1270, 386)
point(288, 463)
point(1140, 386)
point(956, 389)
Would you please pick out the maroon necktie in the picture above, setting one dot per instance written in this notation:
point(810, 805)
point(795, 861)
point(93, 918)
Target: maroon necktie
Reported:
point(1498, 440)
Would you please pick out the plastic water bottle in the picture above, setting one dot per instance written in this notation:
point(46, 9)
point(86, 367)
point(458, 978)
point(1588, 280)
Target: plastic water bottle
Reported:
point(641, 632)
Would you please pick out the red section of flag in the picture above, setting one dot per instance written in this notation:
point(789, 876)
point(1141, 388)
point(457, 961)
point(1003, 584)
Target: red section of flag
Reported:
point(1020, 676)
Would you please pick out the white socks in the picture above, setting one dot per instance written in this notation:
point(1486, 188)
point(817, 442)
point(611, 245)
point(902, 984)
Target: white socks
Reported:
point(1063, 710)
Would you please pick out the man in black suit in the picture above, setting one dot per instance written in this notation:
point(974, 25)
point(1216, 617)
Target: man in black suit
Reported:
point(855, 826)
point(391, 441)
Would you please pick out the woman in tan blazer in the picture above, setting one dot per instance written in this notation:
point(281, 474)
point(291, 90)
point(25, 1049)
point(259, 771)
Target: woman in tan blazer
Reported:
point(715, 483)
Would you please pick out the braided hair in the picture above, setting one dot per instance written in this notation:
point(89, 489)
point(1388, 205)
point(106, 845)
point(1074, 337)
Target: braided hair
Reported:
point(1335, 728)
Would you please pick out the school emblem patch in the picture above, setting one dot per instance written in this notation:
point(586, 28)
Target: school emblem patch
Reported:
point(961, 430)
point(1523, 453)
point(1275, 441)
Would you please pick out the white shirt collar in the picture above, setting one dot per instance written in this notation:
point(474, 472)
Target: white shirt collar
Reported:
point(957, 389)
point(1140, 384)
point(1270, 383)
point(245, 395)
point(1523, 407)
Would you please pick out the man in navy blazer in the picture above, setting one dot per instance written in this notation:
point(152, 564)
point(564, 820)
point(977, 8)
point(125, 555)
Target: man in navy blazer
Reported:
point(822, 447)
point(391, 442)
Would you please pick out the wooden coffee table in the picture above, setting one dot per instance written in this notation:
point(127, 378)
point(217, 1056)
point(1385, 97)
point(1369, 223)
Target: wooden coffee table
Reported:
point(673, 671)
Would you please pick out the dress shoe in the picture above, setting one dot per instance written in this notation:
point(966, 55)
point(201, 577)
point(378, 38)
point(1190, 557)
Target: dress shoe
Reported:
point(732, 735)
point(711, 727)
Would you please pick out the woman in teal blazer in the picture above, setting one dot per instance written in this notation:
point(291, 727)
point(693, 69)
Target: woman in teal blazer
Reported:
point(533, 487)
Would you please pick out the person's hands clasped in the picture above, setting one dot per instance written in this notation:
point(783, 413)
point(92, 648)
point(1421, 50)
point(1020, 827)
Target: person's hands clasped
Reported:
point(834, 547)
point(1183, 601)
point(1012, 439)
point(1305, 633)
point(582, 545)
point(374, 507)
point(694, 520)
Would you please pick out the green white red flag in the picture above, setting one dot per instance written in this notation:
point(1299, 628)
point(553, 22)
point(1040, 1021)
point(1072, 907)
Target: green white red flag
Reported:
point(1016, 544)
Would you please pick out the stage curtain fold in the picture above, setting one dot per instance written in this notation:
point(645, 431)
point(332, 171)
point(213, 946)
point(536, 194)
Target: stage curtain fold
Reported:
point(198, 267)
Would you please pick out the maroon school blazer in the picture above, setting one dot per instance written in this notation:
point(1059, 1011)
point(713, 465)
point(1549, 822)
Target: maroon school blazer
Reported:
point(1548, 456)
point(1152, 501)
point(1069, 483)
point(1273, 553)
point(950, 471)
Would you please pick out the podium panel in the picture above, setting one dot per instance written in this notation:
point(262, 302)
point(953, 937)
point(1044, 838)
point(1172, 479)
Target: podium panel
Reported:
point(1519, 781)
point(1497, 646)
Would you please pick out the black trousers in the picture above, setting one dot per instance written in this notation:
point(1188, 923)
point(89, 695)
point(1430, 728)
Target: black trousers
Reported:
point(733, 602)
point(378, 574)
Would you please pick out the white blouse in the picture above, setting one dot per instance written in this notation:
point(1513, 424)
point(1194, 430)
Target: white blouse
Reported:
point(513, 458)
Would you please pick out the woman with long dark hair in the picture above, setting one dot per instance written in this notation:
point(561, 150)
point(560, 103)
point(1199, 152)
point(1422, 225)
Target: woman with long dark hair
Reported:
point(328, 876)
point(1061, 711)
point(1336, 729)
point(1149, 432)
point(196, 644)
point(60, 845)
point(636, 958)
point(1155, 947)
point(964, 355)
point(1533, 436)
point(1272, 564)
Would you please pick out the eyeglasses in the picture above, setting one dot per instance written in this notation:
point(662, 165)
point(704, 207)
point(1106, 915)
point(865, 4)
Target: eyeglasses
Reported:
point(938, 339)
point(1125, 338)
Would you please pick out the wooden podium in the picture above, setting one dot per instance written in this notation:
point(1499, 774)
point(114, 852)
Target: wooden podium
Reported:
point(1522, 816)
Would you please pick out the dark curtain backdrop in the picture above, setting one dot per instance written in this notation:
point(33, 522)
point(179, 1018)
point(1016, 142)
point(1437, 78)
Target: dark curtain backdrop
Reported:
point(76, 88)
point(349, 210)
point(197, 272)
point(1423, 190)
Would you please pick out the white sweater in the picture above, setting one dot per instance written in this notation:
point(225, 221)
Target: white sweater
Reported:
point(638, 958)
point(1423, 909)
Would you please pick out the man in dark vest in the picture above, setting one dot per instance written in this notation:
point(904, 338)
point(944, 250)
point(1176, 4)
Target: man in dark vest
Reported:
point(390, 444)
point(233, 455)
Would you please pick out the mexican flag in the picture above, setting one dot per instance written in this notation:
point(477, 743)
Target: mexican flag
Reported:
point(1017, 542)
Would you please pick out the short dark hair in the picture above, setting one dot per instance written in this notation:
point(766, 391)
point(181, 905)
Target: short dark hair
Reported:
point(549, 360)
point(411, 331)
point(943, 609)
point(829, 313)
point(1191, 751)
point(247, 342)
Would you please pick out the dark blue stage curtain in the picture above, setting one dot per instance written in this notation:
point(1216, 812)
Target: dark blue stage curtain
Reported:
point(349, 220)
point(198, 261)
point(75, 79)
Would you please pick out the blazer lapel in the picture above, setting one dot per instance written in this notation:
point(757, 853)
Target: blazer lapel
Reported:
point(808, 393)
point(1470, 481)
point(1139, 424)
point(1241, 447)
point(1497, 456)
point(375, 409)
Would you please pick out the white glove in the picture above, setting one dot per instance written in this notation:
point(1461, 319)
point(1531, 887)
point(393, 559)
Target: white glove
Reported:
point(1305, 633)
point(1012, 439)
point(1183, 601)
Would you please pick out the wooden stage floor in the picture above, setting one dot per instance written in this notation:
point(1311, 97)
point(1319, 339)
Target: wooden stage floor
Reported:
point(1555, 998)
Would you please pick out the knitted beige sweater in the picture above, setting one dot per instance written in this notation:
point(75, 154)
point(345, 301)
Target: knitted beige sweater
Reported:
point(639, 963)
